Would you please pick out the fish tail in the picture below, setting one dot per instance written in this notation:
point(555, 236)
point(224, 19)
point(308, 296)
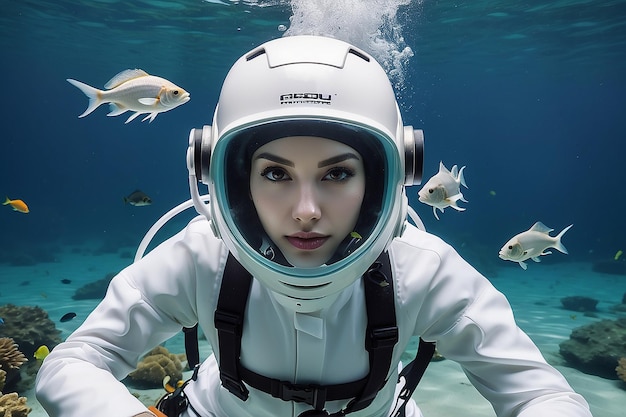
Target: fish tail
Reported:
point(94, 95)
point(558, 245)
point(461, 178)
point(6, 201)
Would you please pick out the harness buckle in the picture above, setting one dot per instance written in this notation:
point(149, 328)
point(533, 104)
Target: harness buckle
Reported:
point(237, 388)
point(383, 337)
point(313, 395)
point(228, 322)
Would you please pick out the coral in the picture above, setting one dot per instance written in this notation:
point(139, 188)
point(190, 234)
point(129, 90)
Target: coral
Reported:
point(94, 290)
point(29, 327)
point(10, 356)
point(156, 365)
point(621, 369)
point(596, 347)
point(13, 406)
point(10, 361)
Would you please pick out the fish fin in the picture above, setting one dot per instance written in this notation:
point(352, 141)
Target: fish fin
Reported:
point(151, 116)
point(536, 258)
point(460, 178)
point(442, 168)
point(6, 201)
point(542, 228)
point(116, 109)
point(94, 95)
point(124, 76)
point(523, 265)
point(452, 200)
point(558, 245)
point(148, 101)
point(435, 212)
point(454, 171)
point(132, 117)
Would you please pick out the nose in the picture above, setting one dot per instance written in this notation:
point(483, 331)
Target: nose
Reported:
point(306, 209)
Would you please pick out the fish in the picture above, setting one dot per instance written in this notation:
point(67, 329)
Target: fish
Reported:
point(66, 281)
point(531, 244)
point(41, 352)
point(134, 90)
point(618, 254)
point(1, 320)
point(67, 317)
point(444, 189)
point(18, 205)
point(138, 198)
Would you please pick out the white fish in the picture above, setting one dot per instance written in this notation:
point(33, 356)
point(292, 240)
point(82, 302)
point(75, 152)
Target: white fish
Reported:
point(134, 90)
point(532, 243)
point(444, 189)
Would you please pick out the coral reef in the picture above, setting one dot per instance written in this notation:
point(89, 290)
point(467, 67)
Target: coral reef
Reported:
point(11, 359)
point(156, 365)
point(94, 290)
point(13, 406)
point(29, 327)
point(579, 303)
point(596, 347)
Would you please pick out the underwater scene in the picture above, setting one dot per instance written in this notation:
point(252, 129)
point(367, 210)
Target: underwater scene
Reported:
point(523, 108)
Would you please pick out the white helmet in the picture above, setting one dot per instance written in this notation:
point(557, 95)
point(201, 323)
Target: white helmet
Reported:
point(305, 86)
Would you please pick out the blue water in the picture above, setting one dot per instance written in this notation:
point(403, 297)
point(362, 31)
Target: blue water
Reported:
point(530, 96)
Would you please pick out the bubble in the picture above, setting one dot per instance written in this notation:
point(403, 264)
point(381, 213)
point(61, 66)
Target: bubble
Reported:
point(370, 25)
point(282, 28)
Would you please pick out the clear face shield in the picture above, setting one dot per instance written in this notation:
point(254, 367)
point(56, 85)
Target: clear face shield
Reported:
point(233, 206)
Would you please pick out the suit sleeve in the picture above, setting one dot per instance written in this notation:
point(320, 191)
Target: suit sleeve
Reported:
point(145, 304)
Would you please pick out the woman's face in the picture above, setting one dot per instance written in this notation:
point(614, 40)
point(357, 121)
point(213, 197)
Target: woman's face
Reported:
point(308, 193)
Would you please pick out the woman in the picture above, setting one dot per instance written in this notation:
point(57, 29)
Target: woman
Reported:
point(306, 162)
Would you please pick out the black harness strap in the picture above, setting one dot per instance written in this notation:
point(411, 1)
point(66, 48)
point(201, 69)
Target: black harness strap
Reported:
point(191, 346)
point(231, 305)
point(382, 333)
point(413, 373)
point(380, 339)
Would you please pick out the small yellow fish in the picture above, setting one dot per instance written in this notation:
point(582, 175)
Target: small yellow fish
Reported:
point(41, 352)
point(618, 254)
point(18, 205)
point(134, 90)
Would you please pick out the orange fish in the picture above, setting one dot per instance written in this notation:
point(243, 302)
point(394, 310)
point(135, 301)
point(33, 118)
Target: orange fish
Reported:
point(18, 205)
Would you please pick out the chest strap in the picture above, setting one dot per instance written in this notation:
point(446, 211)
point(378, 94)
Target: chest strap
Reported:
point(380, 339)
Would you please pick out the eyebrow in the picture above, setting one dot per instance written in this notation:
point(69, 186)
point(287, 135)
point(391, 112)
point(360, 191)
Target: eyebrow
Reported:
point(321, 164)
point(337, 159)
point(275, 158)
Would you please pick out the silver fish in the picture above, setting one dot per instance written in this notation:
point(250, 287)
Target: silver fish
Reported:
point(531, 244)
point(134, 90)
point(444, 189)
point(138, 198)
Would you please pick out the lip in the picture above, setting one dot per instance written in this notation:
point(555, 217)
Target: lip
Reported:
point(307, 240)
